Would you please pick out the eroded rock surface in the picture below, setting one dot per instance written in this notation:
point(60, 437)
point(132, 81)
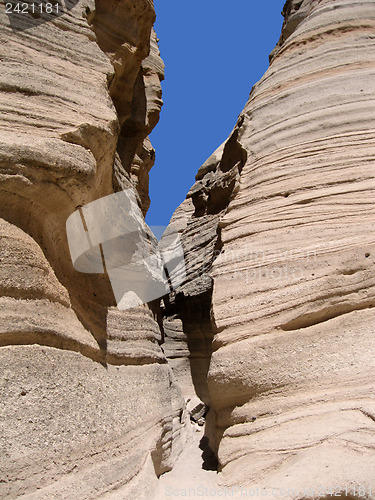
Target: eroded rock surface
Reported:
point(289, 294)
point(88, 402)
point(188, 332)
point(273, 328)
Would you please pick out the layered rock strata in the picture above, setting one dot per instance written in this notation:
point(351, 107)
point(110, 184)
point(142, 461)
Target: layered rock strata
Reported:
point(273, 327)
point(187, 324)
point(88, 402)
point(289, 294)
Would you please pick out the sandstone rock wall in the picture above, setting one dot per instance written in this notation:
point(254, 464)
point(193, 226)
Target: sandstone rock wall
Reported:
point(273, 327)
point(188, 332)
point(289, 294)
point(88, 403)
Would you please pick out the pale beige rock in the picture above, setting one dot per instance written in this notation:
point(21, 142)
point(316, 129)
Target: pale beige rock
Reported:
point(88, 402)
point(290, 380)
point(188, 332)
point(74, 428)
point(273, 327)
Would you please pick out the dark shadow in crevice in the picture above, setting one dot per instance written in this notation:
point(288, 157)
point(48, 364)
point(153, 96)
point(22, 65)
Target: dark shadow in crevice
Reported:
point(210, 461)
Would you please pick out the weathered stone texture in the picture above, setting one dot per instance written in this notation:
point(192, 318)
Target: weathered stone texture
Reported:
point(187, 325)
point(290, 379)
point(88, 402)
point(273, 327)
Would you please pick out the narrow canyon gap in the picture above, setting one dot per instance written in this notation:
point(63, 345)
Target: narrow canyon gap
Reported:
point(273, 328)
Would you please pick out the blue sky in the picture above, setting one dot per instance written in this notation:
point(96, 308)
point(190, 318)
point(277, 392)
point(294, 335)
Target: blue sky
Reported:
point(214, 51)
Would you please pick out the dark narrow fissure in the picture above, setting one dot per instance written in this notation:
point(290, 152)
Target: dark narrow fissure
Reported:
point(186, 313)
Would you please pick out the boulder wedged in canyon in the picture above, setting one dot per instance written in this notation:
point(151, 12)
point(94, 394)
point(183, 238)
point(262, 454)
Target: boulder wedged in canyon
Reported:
point(88, 402)
point(288, 287)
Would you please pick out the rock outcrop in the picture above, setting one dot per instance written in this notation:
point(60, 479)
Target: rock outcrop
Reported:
point(88, 402)
point(188, 332)
point(279, 241)
point(272, 330)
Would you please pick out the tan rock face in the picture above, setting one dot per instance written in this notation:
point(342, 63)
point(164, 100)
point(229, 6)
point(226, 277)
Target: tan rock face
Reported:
point(290, 379)
point(187, 325)
point(273, 328)
point(88, 402)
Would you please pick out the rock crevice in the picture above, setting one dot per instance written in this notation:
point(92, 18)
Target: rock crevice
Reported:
point(269, 338)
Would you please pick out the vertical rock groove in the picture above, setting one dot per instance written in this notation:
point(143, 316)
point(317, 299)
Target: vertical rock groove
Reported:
point(188, 327)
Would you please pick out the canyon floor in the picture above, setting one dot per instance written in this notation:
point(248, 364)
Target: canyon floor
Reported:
point(193, 475)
